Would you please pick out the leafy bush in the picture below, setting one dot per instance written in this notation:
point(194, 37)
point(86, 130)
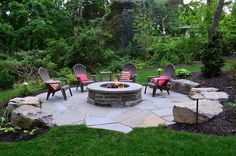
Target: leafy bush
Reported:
point(91, 49)
point(6, 78)
point(68, 74)
point(183, 73)
point(212, 59)
point(22, 90)
point(231, 105)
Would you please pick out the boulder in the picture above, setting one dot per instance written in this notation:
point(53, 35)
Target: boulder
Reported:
point(30, 100)
point(221, 96)
point(183, 85)
point(186, 112)
point(27, 117)
point(194, 91)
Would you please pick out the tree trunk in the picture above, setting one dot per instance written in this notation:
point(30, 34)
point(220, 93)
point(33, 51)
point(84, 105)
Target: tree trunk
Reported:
point(216, 19)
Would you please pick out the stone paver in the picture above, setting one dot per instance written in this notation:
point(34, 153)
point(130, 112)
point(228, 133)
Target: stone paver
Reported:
point(163, 112)
point(114, 127)
point(152, 111)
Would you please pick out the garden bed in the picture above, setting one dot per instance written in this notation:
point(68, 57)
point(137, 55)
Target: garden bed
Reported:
point(223, 124)
point(20, 135)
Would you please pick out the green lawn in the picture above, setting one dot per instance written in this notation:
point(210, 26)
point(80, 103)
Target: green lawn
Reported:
point(79, 140)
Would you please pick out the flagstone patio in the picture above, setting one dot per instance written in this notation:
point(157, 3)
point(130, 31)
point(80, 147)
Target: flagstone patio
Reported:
point(152, 111)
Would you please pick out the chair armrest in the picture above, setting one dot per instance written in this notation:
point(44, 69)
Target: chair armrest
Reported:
point(150, 77)
point(61, 79)
point(53, 82)
point(134, 77)
point(94, 77)
point(117, 76)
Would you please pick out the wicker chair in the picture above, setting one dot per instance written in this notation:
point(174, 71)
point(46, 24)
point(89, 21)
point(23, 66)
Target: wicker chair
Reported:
point(169, 71)
point(53, 85)
point(80, 69)
point(129, 67)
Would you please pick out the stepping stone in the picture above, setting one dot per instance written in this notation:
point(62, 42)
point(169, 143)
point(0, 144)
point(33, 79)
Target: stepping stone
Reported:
point(183, 85)
point(222, 96)
point(186, 112)
point(144, 119)
point(97, 121)
point(194, 91)
point(163, 112)
point(114, 127)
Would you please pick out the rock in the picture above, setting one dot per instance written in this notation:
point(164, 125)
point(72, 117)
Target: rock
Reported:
point(30, 100)
point(186, 112)
point(221, 96)
point(27, 117)
point(183, 85)
point(194, 91)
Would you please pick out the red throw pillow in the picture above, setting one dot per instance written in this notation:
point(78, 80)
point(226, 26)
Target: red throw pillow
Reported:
point(125, 75)
point(82, 77)
point(161, 82)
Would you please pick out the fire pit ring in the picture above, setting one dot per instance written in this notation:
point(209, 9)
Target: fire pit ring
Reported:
point(129, 95)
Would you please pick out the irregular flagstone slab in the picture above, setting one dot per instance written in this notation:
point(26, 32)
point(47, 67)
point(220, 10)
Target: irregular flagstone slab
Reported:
point(143, 119)
point(167, 123)
point(28, 117)
point(89, 121)
point(114, 127)
point(183, 85)
point(222, 96)
point(29, 100)
point(53, 107)
point(69, 117)
point(195, 91)
point(168, 118)
point(122, 114)
point(146, 104)
point(163, 112)
point(186, 112)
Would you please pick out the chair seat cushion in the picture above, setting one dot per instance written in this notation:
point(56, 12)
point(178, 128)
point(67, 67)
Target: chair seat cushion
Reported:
point(125, 76)
point(54, 86)
point(82, 77)
point(161, 81)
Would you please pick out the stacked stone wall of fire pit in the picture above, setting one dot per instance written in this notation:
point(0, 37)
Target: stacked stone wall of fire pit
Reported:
point(115, 100)
point(114, 97)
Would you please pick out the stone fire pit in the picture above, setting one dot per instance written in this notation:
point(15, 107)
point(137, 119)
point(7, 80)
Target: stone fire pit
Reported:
point(128, 95)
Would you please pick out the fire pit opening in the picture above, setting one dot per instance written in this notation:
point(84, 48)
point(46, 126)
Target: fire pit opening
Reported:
point(114, 85)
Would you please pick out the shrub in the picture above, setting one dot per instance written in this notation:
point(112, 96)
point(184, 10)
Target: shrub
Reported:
point(6, 78)
point(21, 90)
point(183, 73)
point(68, 74)
point(212, 59)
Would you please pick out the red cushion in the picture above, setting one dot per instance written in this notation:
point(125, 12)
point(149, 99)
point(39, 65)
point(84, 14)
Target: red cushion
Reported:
point(82, 77)
point(161, 82)
point(125, 75)
point(54, 86)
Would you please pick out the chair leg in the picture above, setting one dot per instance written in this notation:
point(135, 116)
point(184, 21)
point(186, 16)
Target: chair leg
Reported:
point(53, 93)
point(49, 92)
point(70, 92)
point(168, 91)
point(63, 93)
point(145, 89)
point(161, 90)
point(154, 91)
point(82, 87)
point(77, 85)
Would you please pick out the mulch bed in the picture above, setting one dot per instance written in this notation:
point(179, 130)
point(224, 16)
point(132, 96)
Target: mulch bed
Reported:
point(19, 135)
point(223, 124)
